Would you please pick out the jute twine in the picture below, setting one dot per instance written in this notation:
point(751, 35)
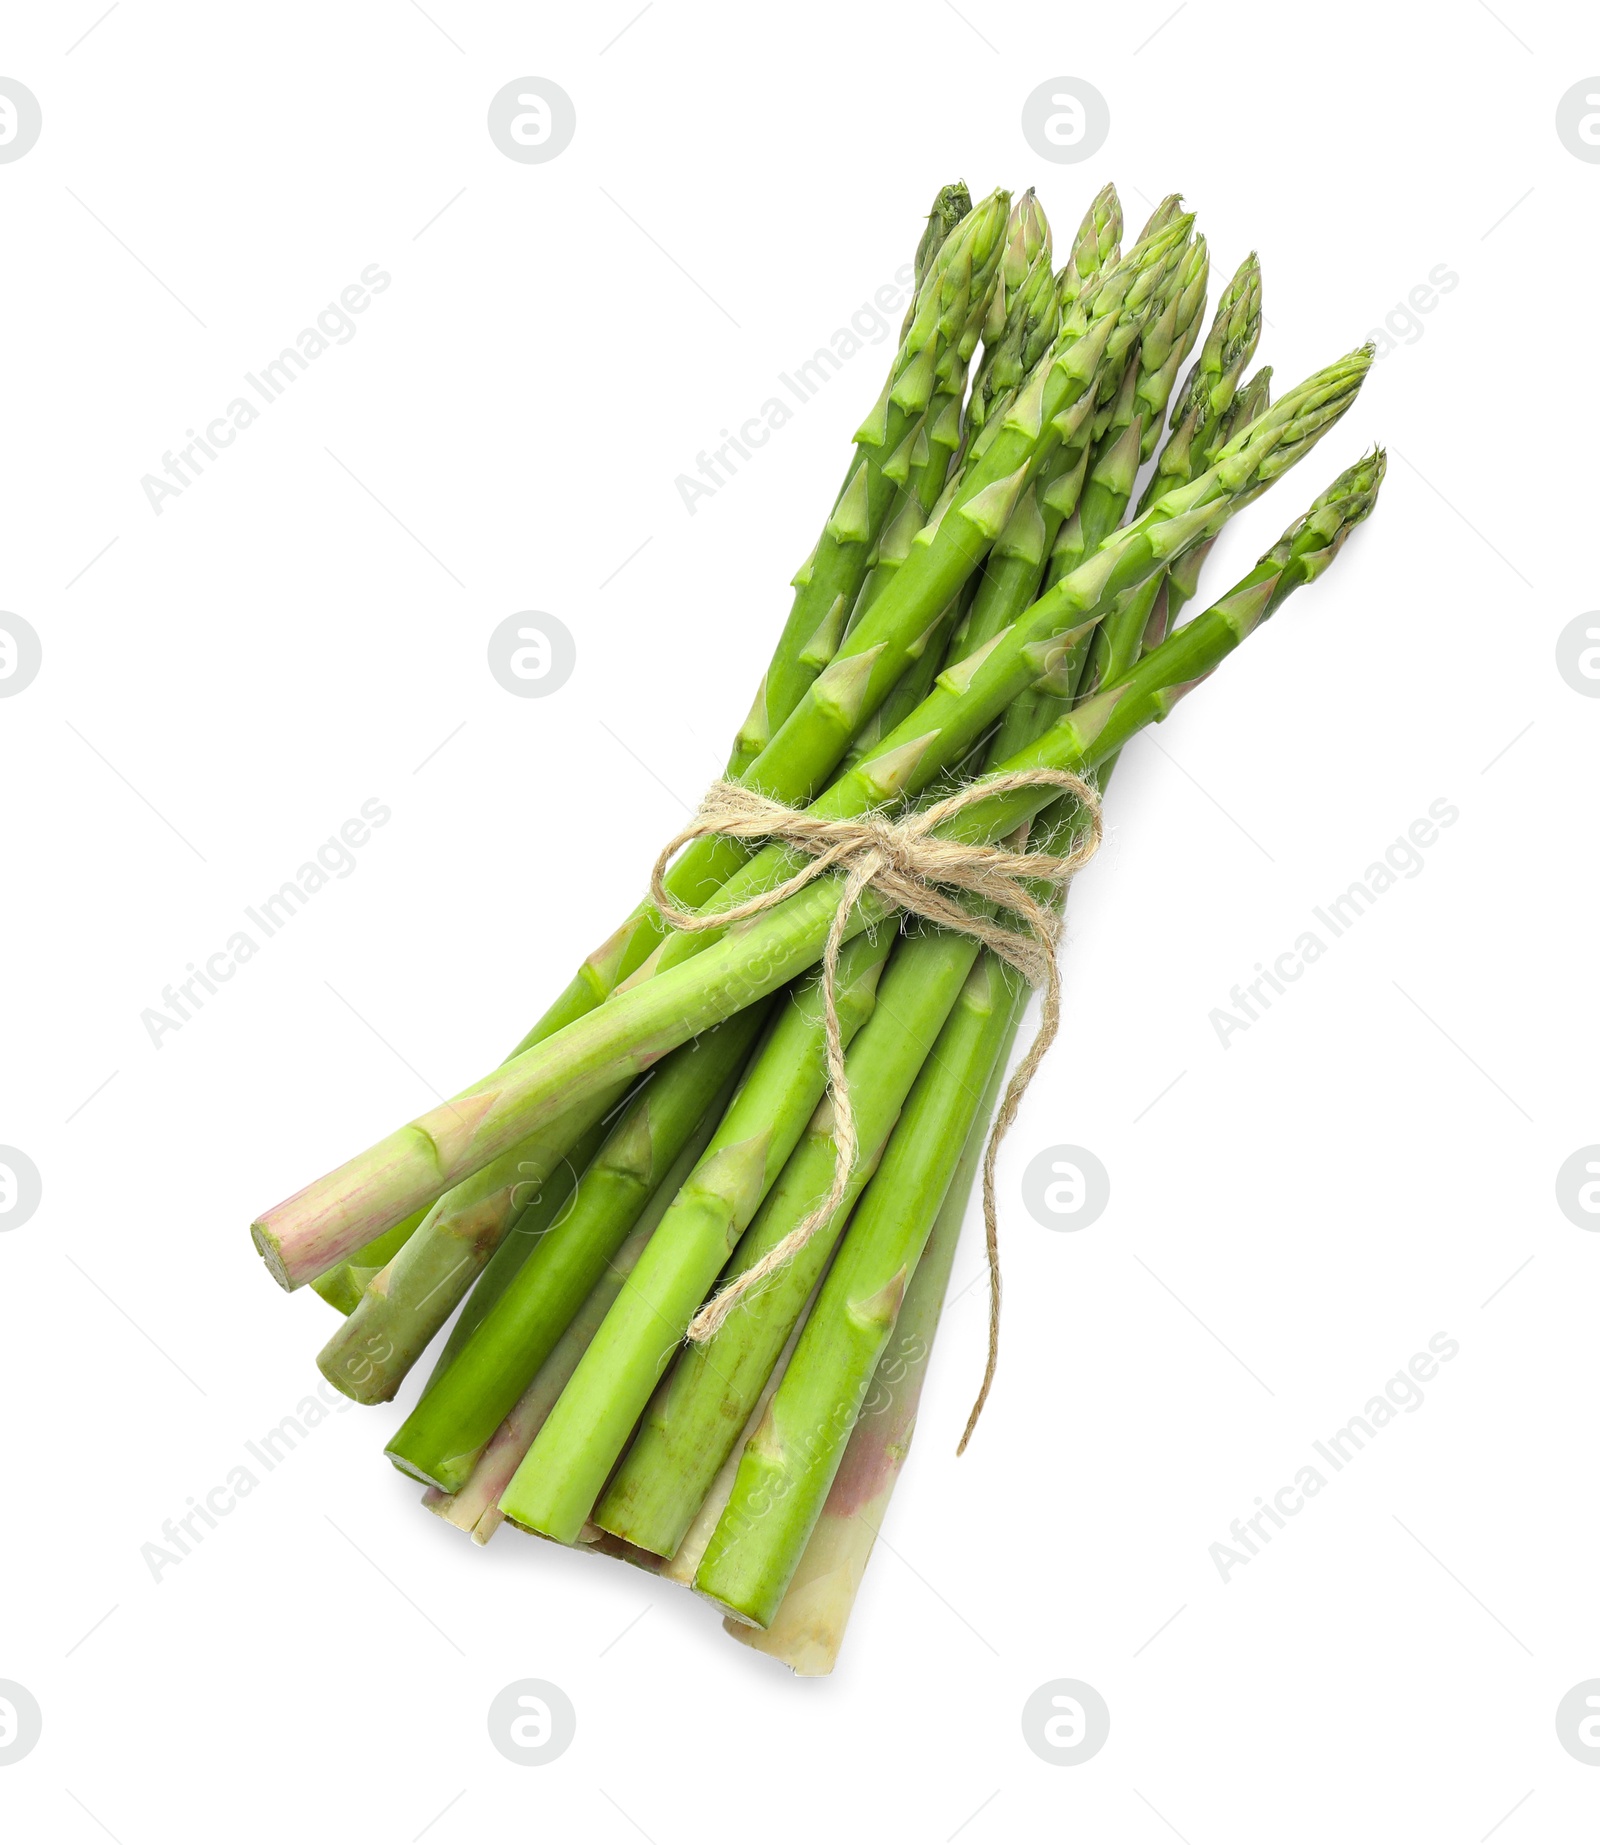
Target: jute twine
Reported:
point(915, 871)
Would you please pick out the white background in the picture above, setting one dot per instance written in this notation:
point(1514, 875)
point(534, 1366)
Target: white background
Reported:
point(1296, 1215)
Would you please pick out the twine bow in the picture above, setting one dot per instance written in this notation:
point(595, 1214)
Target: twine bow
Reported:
point(905, 863)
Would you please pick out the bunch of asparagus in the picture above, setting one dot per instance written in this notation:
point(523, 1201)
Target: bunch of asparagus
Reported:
point(987, 595)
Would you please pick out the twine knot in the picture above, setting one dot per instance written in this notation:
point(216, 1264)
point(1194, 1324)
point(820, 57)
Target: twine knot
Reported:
point(911, 867)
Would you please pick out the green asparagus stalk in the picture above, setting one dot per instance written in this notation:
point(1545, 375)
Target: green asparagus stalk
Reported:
point(808, 1629)
point(1201, 424)
point(1010, 574)
point(441, 1439)
point(950, 206)
point(1131, 437)
point(1077, 513)
point(1167, 342)
point(342, 1287)
point(459, 1412)
point(568, 1464)
point(1183, 575)
point(1094, 247)
point(914, 685)
point(475, 1507)
point(1024, 315)
point(1170, 208)
point(524, 1237)
point(1145, 616)
point(1015, 325)
point(406, 1302)
point(950, 308)
point(790, 1462)
point(1211, 386)
point(926, 464)
point(322, 1224)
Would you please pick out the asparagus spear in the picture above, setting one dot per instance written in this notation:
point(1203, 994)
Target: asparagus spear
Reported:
point(459, 1412)
point(1009, 577)
point(927, 463)
point(1077, 499)
point(1034, 302)
point(1210, 388)
point(951, 205)
point(323, 1223)
point(950, 309)
point(1146, 615)
point(406, 1302)
point(921, 466)
point(809, 1626)
point(913, 685)
point(1024, 314)
point(1183, 575)
point(475, 1507)
point(791, 1460)
point(440, 1441)
point(1201, 424)
point(1094, 247)
point(1009, 574)
point(342, 1287)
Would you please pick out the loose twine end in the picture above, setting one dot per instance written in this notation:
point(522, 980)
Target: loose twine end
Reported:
point(909, 867)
